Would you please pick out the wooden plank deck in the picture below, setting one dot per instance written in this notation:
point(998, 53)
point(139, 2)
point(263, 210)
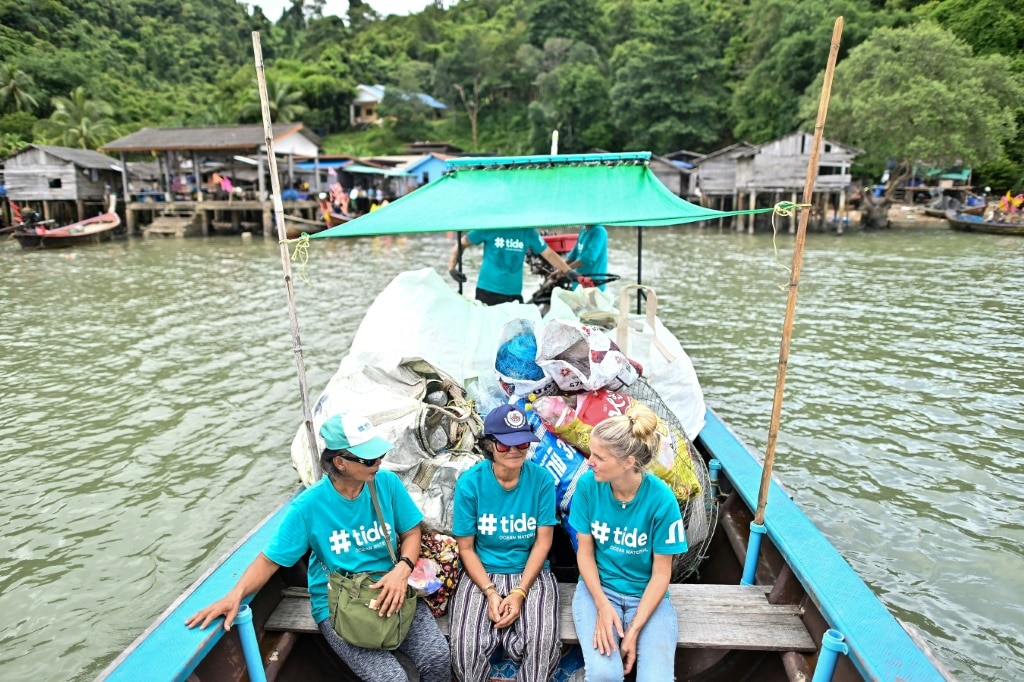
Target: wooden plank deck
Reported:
point(710, 617)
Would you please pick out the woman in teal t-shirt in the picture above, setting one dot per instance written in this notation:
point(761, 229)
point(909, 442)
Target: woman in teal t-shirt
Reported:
point(504, 520)
point(334, 519)
point(628, 526)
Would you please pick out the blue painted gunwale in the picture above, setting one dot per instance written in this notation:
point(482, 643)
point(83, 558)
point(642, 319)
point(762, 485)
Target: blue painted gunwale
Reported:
point(168, 651)
point(880, 648)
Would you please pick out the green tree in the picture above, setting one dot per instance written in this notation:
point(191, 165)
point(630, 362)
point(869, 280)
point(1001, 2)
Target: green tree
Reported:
point(782, 47)
point(571, 95)
point(469, 74)
point(284, 101)
point(988, 26)
point(19, 123)
point(576, 20)
point(405, 112)
point(668, 81)
point(78, 122)
point(918, 96)
point(10, 143)
point(14, 89)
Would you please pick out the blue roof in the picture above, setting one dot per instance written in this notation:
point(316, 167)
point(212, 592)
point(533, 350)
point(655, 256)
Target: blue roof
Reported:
point(378, 91)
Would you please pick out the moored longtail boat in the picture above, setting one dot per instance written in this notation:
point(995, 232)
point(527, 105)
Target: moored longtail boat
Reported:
point(93, 230)
point(962, 222)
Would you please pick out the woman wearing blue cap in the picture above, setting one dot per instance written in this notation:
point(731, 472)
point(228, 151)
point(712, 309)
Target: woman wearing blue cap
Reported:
point(336, 520)
point(504, 521)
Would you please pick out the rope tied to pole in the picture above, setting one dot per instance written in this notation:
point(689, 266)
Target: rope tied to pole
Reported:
point(300, 255)
point(784, 209)
point(787, 208)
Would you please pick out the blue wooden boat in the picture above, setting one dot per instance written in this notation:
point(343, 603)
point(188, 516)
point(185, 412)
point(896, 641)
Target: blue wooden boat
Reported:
point(806, 614)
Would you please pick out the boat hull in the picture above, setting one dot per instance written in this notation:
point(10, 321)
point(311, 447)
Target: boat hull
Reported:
point(91, 231)
point(962, 222)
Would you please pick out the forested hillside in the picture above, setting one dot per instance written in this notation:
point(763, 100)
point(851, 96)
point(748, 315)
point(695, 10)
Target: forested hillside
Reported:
point(919, 81)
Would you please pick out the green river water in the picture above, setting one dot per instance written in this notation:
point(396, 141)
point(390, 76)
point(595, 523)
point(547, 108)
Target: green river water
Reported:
point(149, 397)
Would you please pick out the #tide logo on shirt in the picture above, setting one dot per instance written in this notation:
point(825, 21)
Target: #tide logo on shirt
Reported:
point(489, 524)
point(630, 540)
point(365, 539)
point(503, 243)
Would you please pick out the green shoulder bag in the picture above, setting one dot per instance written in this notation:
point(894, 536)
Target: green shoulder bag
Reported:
point(352, 603)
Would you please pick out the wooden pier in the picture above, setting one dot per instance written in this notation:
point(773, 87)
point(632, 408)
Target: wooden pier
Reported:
point(241, 215)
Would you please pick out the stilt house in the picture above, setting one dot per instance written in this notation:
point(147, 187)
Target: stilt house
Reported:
point(65, 184)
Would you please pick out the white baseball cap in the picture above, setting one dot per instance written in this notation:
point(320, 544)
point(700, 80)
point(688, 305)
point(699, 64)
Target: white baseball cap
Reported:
point(354, 433)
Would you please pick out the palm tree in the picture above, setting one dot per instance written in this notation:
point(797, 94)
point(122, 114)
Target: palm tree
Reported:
point(285, 104)
point(78, 122)
point(10, 143)
point(14, 84)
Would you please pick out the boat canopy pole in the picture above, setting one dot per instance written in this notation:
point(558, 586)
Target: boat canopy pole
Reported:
point(640, 296)
point(289, 283)
point(787, 328)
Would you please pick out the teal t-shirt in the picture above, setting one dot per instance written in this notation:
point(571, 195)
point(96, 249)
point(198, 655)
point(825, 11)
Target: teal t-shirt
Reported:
point(626, 537)
point(504, 522)
point(501, 271)
point(592, 251)
point(343, 534)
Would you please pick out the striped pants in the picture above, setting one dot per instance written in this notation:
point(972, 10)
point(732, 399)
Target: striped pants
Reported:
point(532, 640)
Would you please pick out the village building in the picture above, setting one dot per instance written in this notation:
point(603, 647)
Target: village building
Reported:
point(745, 176)
point(364, 108)
point(63, 184)
point(216, 176)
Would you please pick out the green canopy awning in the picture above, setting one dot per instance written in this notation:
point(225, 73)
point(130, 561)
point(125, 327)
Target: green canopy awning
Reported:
point(534, 191)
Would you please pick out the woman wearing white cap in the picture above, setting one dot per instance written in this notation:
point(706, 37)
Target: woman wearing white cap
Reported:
point(504, 521)
point(335, 518)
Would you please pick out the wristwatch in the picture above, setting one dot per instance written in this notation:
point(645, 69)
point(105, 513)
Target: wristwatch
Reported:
point(408, 562)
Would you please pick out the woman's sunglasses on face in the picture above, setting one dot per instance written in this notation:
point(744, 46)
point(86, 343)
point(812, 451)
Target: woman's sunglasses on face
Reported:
point(501, 447)
point(364, 462)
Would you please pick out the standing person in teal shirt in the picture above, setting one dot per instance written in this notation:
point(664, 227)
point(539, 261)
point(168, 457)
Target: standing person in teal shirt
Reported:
point(504, 521)
point(628, 526)
point(501, 272)
point(334, 519)
point(590, 254)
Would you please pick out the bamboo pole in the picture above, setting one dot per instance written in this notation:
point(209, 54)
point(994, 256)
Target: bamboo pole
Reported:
point(289, 284)
point(794, 279)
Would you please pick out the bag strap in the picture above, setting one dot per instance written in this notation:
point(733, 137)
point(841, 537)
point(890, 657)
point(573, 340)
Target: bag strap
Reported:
point(380, 517)
point(622, 328)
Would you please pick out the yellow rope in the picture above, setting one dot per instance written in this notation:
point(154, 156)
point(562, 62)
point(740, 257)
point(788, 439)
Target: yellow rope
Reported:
point(300, 254)
point(784, 209)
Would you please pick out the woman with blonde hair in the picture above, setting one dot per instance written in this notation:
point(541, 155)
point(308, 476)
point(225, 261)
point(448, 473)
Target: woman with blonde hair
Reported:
point(628, 525)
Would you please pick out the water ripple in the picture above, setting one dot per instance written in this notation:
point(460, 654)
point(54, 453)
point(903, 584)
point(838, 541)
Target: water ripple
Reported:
point(149, 400)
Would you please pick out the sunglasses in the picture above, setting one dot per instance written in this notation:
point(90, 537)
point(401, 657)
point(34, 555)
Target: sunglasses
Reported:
point(501, 447)
point(360, 460)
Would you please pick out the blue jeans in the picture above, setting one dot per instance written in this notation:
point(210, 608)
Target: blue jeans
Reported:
point(656, 646)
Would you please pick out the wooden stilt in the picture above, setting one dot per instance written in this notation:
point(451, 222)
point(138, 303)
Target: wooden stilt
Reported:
point(753, 205)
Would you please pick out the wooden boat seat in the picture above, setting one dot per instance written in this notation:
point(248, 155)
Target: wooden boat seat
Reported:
point(710, 617)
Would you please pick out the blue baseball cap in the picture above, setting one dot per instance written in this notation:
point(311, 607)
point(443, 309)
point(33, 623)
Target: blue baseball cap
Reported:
point(507, 424)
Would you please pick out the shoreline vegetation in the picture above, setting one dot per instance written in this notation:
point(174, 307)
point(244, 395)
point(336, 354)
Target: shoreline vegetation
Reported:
point(605, 73)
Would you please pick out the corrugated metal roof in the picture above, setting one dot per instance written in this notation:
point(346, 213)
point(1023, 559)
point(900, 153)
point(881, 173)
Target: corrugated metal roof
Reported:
point(83, 158)
point(242, 137)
